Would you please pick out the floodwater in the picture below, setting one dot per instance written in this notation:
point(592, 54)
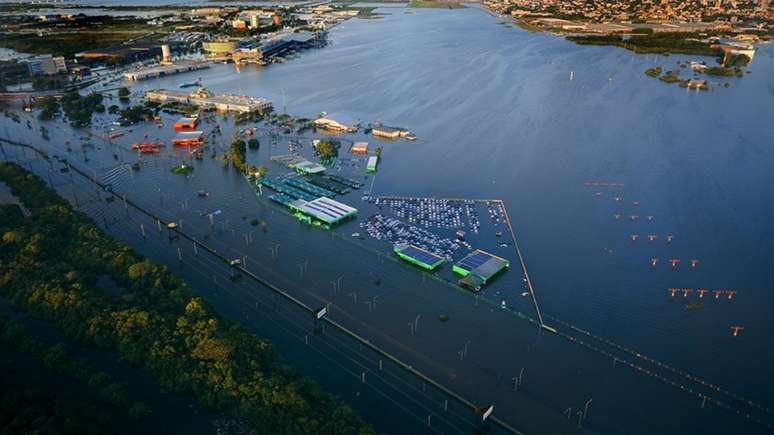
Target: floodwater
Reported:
point(497, 116)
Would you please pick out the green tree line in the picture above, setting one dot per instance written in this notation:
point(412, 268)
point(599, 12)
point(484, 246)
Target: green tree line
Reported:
point(49, 264)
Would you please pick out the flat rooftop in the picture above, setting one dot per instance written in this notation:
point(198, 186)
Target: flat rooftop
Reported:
point(308, 167)
point(189, 134)
point(420, 257)
point(165, 69)
point(324, 209)
point(482, 265)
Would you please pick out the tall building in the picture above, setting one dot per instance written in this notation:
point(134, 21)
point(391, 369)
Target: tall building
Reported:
point(166, 54)
point(254, 21)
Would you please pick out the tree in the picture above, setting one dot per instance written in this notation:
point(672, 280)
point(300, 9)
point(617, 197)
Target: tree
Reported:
point(49, 106)
point(12, 237)
point(80, 108)
point(238, 150)
point(139, 270)
point(253, 144)
point(139, 410)
point(327, 149)
point(135, 114)
point(262, 171)
point(114, 393)
point(99, 380)
point(378, 151)
point(123, 94)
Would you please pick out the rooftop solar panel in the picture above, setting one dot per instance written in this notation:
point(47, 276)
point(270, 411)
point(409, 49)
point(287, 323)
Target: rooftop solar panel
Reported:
point(482, 264)
point(421, 255)
point(326, 209)
point(474, 260)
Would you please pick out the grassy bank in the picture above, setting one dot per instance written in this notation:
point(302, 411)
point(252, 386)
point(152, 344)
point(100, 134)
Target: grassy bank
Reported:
point(85, 33)
point(435, 4)
point(66, 44)
point(657, 43)
point(155, 323)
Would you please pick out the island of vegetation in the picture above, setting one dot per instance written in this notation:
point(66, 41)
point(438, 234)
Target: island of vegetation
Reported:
point(643, 41)
point(154, 322)
point(182, 169)
point(673, 76)
point(435, 4)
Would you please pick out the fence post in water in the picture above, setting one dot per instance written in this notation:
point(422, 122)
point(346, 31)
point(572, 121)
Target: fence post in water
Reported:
point(196, 249)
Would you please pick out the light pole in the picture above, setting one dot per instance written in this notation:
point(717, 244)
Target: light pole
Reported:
point(586, 408)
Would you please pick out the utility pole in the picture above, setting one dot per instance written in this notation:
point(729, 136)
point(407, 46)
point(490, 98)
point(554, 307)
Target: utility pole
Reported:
point(586, 408)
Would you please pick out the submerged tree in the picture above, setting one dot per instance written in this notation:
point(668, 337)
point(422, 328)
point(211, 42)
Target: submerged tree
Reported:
point(327, 149)
point(238, 150)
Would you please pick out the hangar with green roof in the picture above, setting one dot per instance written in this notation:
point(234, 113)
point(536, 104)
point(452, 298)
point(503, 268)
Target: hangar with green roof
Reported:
point(418, 256)
point(478, 267)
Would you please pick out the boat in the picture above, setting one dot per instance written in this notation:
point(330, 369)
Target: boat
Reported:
point(191, 84)
point(502, 305)
point(203, 193)
point(524, 294)
point(355, 234)
point(411, 136)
